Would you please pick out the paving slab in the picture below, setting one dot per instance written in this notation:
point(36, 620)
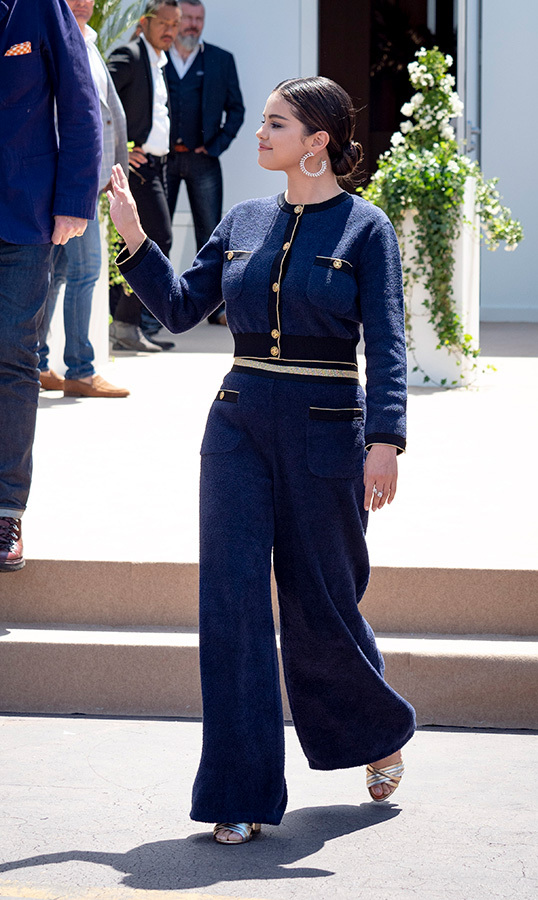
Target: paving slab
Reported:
point(118, 479)
point(98, 809)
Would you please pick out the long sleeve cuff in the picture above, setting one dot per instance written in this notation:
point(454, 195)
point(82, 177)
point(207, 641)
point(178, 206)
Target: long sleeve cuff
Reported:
point(125, 262)
point(393, 440)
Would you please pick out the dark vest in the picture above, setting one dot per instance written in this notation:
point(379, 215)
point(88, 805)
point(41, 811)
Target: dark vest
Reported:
point(186, 103)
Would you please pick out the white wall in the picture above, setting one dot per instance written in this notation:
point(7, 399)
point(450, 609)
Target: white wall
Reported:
point(509, 290)
point(270, 42)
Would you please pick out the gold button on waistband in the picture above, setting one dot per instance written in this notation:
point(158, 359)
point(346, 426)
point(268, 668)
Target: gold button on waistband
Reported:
point(286, 246)
point(337, 263)
point(222, 395)
point(275, 334)
point(230, 254)
point(275, 287)
point(274, 351)
point(297, 210)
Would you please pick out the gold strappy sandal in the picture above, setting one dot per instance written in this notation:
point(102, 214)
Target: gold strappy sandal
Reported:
point(245, 830)
point(391, 775)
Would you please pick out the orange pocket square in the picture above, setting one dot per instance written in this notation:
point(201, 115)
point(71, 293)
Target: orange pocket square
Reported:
point(20, 49)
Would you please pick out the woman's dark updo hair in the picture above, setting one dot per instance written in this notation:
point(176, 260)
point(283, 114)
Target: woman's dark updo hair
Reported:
point(322, 105)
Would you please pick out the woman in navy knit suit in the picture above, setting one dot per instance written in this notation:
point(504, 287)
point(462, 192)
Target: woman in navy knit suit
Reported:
point(294, 455)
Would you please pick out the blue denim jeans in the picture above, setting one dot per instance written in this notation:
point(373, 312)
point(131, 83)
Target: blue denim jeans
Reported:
point(24, 281)
point(77, 264)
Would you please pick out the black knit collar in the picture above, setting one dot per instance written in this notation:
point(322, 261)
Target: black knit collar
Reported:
point(311, 207)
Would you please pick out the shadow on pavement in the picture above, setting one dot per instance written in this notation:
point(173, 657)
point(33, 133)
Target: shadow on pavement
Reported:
point(197, 861)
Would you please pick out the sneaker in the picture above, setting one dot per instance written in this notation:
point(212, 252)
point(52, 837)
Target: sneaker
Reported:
point(125, 336)
point(11, 557)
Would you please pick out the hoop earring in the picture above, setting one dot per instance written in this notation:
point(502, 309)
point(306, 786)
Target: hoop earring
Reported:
point(305, 171)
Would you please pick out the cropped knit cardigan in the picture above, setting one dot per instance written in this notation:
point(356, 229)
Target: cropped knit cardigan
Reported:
point(299, 281)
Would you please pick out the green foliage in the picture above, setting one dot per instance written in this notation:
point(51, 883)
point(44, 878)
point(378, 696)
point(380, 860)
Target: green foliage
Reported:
point(425, 173)
point(115, 244)
point(110, 21)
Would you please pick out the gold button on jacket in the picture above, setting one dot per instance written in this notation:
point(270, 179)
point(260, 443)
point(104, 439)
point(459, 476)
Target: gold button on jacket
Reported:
point(274, 351)
point(230, 254)
point(275, 334)
point(337, 263)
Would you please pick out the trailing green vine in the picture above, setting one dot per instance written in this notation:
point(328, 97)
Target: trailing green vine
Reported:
point(425, 173)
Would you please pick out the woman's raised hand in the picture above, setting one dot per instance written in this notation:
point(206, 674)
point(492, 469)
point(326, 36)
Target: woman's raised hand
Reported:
point(123, 211)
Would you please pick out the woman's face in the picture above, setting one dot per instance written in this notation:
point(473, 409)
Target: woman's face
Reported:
point(282, 139)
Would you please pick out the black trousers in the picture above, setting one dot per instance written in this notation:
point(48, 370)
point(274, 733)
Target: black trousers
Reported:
point(149, 189)
point(203, 179)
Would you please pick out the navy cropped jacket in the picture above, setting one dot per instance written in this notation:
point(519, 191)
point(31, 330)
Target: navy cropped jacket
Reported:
point(298, 282)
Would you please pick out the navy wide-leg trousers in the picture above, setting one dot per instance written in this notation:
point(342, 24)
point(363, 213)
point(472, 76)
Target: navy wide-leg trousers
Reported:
point(282, 475)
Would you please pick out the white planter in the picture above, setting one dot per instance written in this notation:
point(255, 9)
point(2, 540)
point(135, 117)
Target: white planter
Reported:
point(440, 366)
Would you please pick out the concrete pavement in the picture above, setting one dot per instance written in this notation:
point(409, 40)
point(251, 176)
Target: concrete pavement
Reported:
point(102, 620)
point(118, 479)
point(97, 809)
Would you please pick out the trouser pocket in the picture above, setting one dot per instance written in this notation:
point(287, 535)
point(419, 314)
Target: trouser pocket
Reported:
point(223, 429)
point(335, 441)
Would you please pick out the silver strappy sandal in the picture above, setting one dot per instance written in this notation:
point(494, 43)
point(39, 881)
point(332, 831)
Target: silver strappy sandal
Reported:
point(245, 830)
point(391, 775)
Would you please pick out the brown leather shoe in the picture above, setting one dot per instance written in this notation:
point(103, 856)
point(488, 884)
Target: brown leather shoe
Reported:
point(11, 557)
point(50, 381)
point(98, 388)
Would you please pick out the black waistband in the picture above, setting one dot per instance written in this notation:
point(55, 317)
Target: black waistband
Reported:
point(157, 160)
point(297, 348)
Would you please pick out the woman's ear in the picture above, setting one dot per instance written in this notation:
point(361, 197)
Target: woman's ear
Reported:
point(319, 140)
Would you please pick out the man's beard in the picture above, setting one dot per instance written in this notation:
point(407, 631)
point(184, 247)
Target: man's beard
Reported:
point(189, 41)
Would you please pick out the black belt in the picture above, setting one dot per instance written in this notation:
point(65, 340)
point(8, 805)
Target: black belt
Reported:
point(156, 159)
point(297, 348)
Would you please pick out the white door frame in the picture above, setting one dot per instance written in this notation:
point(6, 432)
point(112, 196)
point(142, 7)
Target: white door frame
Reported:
point(468, 78)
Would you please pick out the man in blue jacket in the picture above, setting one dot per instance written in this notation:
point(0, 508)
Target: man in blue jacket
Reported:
point(206, 113)
point(49, 175)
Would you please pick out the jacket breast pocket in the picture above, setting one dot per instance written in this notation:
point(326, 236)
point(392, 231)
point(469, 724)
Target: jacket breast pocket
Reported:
point(335, 442)
point(233, 272)
point(331, 284)
point(23, 79)
point(223, 429)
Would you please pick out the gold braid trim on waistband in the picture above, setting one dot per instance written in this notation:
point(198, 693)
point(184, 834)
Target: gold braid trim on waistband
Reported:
point(296, 369)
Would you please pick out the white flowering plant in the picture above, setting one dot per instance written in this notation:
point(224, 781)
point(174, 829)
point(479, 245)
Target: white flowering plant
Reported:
point(425, 172)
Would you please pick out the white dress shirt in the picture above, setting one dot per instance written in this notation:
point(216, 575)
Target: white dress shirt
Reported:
point(97, 65)
point(181, 65)
point(158, 141)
